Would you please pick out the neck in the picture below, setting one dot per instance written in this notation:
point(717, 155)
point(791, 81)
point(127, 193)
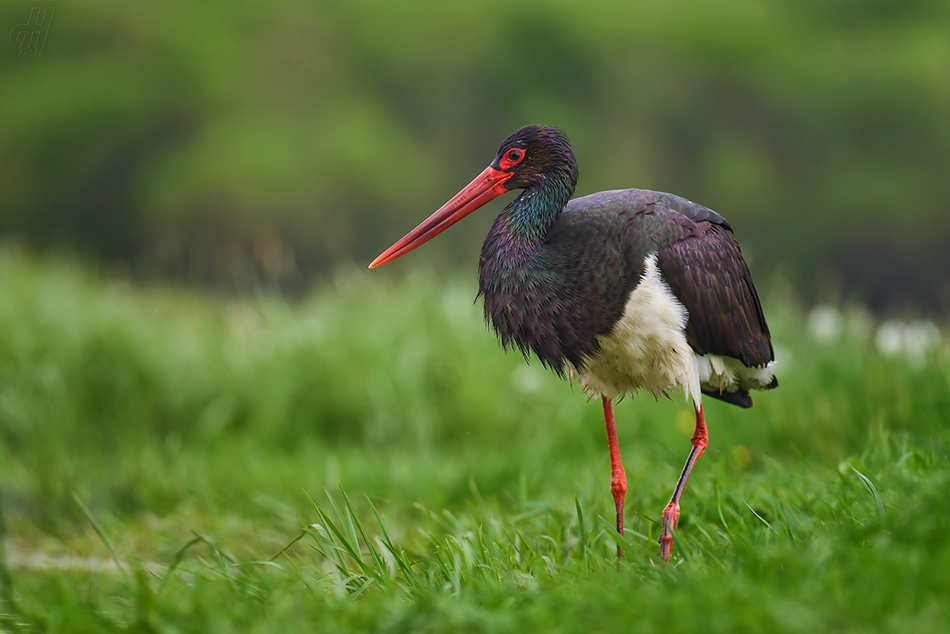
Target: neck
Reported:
point(532, 214)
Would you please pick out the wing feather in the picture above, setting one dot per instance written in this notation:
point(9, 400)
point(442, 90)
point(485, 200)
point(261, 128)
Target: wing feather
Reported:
point(706, 272)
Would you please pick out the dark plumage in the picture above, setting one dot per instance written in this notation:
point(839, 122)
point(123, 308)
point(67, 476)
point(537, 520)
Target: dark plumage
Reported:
point(558, 277)
point(554, 285)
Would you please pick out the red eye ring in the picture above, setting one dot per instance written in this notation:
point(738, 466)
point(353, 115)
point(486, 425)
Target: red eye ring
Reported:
point(511, 158)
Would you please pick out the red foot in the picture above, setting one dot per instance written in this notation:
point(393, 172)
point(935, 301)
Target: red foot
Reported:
point(670, 514)
point(672, 511)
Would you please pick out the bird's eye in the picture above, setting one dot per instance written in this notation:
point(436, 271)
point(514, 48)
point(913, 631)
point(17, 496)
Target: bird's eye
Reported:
point(511, 158)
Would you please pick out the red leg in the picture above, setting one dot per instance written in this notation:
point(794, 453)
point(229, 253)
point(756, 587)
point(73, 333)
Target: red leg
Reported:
point(618, 478)
point(672, 511)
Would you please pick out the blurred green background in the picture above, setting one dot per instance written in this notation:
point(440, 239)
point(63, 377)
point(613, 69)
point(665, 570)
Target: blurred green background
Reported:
point(270, 150)
point(248, 144)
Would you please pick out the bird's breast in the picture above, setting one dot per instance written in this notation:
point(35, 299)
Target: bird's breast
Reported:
point(647, 347)
point(537, 304)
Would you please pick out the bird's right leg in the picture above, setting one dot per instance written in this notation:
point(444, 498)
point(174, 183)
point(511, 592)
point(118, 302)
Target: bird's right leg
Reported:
point(618, 478)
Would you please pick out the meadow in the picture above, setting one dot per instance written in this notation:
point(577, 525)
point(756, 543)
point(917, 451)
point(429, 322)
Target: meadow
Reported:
point(367, 459)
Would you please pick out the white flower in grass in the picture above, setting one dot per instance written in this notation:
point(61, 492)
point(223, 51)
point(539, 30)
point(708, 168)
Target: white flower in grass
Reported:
point(825, 323)
point(912, 340)
point(527, 379)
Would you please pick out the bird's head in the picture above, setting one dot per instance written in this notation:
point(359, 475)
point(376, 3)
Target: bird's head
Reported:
point(529, 158)
point(532, 155)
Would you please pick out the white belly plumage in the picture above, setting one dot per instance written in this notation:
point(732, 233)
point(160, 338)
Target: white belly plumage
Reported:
point(647, 349)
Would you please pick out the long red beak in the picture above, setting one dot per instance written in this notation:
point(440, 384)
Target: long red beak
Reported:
point(486, 186)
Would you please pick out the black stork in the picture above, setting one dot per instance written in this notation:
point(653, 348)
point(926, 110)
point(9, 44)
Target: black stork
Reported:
point(627, 289)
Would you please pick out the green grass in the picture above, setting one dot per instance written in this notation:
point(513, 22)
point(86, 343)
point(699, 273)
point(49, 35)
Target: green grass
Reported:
point(368, 460)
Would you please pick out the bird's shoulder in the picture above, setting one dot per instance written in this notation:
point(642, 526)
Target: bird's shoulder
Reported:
point(631, 224)
point(642, 206)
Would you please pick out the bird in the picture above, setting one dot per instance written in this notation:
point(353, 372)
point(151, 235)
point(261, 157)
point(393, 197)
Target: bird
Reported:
point(622, 290)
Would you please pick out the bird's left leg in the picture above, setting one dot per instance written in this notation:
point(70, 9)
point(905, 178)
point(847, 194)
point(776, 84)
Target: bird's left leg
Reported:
point(672, 511)
point(618, 478)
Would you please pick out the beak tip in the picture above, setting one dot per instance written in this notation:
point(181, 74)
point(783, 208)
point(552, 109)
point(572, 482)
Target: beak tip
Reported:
point(485, 186)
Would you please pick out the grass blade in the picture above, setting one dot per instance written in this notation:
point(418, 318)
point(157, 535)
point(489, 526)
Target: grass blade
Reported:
point(177, 559)
point(583, 533)
point(759, 517)
point(377, 560)
point(399, 555)
point(873, 490)
point(296, 539)
point(99, 531)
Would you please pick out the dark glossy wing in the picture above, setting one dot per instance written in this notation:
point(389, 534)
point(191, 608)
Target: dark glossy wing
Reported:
point(706, 272)
point(693, 211)
point(702, 264)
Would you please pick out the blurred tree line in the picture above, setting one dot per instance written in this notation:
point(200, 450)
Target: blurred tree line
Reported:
point(234, 142)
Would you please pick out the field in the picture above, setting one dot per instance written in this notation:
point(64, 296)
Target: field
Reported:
point(367, 459)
